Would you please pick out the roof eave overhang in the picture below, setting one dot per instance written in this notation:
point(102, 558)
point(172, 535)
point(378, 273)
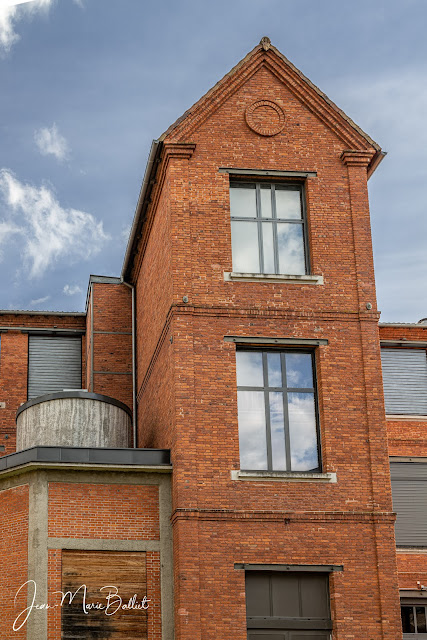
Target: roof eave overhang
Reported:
point(141, 207)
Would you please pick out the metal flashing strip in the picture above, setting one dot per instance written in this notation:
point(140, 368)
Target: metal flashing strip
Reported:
point(85, 395)
point(82, 455)
point(403, 343)
point(24, 312)
point(43, 330)
point(310, 568)
point(302, 342)
point(265, 172)
point(105, 279)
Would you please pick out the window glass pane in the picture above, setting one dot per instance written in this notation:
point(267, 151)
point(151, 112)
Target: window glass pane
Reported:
point(277, 431)
point(243, 201)
point(268, 247)
point(408, 624)
point(274, 370)
point(252, 431)
point(299, 370)
point(288, 203)
point(265, 191)
point(302, 431)
point(421, 620)
point(291, 248)
point(244, 242)
point(249, 369)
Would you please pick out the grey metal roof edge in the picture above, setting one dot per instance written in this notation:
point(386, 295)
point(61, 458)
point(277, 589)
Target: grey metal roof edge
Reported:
point(44, 455)
point(105, 279)
point(85, 395)
point(150, 171)
point(419, 325)
point(22, 312)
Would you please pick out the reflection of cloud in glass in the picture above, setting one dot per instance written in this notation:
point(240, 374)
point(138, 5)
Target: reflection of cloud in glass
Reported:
point(252, 433)
point(277, 431)
point(288, 203)
point(274, 370)
point(291, 248)
point(249, 369)
point(299, 372)
point(244, 242)
point(302, 431)
point(243, 201)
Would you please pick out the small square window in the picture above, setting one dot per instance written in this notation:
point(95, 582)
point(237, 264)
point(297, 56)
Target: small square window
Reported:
point(268, 228)
point(277, 411)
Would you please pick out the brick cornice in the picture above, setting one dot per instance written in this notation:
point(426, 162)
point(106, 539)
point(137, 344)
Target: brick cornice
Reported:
point(281, 516)
point(183, 150)
point(357, 157)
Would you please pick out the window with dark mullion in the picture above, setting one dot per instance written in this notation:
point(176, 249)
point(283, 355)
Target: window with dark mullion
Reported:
point(268, 228)
point(414, 620)
point(277, 411)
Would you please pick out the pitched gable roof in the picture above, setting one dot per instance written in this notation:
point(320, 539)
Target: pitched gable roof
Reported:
point(265, 54)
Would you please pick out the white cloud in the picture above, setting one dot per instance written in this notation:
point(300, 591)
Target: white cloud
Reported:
point(37, 301)
point(391, 107)
point(49, 232)
point(51, 142)
point(71, 290)
point(11, 11)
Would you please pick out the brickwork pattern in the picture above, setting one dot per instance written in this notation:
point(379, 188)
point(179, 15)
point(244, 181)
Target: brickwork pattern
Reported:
point(123, 512)
point(14, 554)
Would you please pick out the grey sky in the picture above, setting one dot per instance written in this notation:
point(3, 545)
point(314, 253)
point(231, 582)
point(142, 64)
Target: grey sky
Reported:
point(85, 85)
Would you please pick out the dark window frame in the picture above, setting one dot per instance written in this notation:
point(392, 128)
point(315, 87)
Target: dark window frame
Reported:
point(414, 604)
point(285, 390)
point(281, 621)
point(303, 222)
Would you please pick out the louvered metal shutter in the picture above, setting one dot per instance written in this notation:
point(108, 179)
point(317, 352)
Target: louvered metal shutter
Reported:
point(54, 364)
point(409, 489)
point(405, 381)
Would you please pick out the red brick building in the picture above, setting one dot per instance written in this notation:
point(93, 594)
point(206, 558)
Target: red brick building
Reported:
point(210, 435)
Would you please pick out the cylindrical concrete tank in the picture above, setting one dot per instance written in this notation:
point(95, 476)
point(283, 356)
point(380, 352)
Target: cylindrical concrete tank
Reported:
point(73, 419)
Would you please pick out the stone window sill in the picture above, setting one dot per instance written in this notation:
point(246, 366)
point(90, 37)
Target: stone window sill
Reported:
point(271, 277)
point(405, 417)
point(288, 476)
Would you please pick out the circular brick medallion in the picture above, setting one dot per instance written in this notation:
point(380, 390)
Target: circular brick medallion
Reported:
point(265, 117)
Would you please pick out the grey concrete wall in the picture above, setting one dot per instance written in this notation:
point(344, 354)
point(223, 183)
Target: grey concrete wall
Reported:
point(73, 422)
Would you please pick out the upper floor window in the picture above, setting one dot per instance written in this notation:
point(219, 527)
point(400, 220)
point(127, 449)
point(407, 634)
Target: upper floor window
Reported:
point(277, 411)
point(405, 381)
point(268, 228)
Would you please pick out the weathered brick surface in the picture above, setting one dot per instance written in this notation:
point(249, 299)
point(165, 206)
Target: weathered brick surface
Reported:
point(110, 341)
point(186, 372)
point(122, 512)
point(14, 554)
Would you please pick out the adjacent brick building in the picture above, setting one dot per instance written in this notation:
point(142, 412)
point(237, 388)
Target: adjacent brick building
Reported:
point(229, 456)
